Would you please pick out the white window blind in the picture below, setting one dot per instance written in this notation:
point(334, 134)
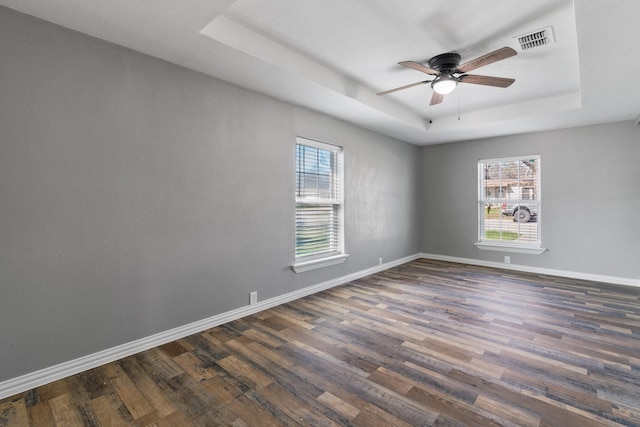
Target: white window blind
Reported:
point(509, 202)
point(318, 200)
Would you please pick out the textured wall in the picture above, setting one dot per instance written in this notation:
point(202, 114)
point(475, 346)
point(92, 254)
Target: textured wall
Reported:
point(138, 196)
point(590, 198)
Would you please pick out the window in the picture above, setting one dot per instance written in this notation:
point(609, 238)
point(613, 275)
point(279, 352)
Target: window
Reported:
point(319, 205)
point(509, 209)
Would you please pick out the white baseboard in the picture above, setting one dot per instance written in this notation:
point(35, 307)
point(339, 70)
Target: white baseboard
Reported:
point(537, 270)
point(81, 364)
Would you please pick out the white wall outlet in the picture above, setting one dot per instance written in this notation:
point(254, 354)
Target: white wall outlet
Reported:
point(380, 261)
point(507, 259)
point(253, 297)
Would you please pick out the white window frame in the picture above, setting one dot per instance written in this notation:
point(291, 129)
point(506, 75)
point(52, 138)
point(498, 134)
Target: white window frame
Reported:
point(314, 261)
point(534, 248)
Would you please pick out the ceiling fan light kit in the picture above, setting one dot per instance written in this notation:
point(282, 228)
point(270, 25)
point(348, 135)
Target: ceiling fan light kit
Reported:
point(445, 84)
point(444, 68)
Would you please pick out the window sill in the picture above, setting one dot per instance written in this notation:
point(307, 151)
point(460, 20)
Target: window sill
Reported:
point(532, 250)
point(301, 267)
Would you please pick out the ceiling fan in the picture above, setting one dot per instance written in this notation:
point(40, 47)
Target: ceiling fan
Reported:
point(446, 69)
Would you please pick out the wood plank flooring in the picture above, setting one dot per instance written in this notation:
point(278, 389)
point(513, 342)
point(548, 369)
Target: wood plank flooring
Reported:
point(427, 343)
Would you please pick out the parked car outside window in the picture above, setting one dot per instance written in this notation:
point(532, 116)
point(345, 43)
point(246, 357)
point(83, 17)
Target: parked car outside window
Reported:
point(521, 212)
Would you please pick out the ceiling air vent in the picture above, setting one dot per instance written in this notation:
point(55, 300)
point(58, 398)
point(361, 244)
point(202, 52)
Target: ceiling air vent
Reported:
point(536, 39)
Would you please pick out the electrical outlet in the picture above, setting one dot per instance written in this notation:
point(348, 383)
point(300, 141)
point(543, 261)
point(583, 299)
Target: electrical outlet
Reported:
point(507, 259)
point(380, 261)
point(253, 297)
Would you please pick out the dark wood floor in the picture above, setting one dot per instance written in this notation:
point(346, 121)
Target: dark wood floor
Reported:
point(425, 343)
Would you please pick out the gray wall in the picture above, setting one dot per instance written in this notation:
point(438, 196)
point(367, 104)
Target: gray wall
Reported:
point(138, 196)
point(590, 202)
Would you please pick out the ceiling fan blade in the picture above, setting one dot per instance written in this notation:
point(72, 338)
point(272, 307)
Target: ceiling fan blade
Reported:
point(436, 98)
point(486, 80)
point(418, 66)
point(403, 87)
point(489, 58)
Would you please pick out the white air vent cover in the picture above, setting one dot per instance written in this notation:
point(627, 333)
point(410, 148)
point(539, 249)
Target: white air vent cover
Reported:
point(536, 39)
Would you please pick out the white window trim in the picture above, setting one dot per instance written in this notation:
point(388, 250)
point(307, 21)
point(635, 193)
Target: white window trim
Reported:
point(301, 267)
point(502, 246)
point(313, 262)
point(520, 249)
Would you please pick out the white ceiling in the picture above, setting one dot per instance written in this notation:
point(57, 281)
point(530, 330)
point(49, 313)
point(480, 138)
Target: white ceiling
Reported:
point(335, 55)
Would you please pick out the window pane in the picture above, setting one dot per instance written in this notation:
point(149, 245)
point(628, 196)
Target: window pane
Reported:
point(499, 223)
point(316, 229)
point(314, 173)
point(528, 178)
point(492, 183)
point(513, 180)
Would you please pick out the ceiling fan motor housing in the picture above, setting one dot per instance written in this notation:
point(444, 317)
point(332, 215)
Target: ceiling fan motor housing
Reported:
point(445, 62)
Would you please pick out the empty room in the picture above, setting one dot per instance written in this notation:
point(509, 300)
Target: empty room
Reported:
point(319, 213)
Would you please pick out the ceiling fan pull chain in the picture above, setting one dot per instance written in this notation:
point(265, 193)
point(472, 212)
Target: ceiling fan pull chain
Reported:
point(459, 90)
